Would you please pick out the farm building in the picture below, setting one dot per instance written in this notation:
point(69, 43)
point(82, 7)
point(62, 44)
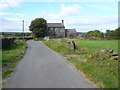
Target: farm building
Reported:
point(58, 30)
point(70, 33)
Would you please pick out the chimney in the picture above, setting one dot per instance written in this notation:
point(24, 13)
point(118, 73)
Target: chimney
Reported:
point(63, 21)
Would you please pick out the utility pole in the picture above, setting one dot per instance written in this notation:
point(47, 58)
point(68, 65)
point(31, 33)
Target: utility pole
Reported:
point(23, 28)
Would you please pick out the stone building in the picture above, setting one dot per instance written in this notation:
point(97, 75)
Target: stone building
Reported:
point(70, 33)
point(57, 30)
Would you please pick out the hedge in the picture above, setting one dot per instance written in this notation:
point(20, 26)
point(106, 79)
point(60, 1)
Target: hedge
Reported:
point(8, 42)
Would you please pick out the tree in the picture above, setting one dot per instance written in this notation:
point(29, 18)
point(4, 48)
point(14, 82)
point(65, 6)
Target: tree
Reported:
point(38, 27)
point(117, 33)
point(107, 34)
point(95, 33)
point(113, 34)
point(102, 35)
point(90, 33)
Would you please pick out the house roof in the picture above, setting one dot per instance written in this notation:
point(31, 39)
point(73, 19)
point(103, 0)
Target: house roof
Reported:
point(70, 30)
point(56, 25)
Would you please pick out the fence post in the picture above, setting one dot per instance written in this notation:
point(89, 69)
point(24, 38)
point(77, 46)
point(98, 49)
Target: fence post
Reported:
point(74, 45)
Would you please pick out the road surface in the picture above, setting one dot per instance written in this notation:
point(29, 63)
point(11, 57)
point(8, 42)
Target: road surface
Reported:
point(43, 68)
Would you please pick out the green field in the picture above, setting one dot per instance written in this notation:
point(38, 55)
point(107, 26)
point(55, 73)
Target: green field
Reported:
point(99, 68)
point(98, 44)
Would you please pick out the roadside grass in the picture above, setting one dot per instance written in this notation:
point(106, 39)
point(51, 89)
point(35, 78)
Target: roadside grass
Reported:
point(10, 57)
point(7, 73)
point(0, 59)
point(60, 47)
point(0, 68)
point(102, 72)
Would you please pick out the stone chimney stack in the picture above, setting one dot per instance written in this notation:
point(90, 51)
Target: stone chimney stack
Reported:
point(63, 21)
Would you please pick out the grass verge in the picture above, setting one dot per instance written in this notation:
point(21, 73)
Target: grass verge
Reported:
point(10, 57)
point(100, 69)
point(7, 73)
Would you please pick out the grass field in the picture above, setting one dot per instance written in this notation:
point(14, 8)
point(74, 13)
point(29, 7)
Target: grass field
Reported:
point(10, 57)
point(102, 72)
point(98, 44)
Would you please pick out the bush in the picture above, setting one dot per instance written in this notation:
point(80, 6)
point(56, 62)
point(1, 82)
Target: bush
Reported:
point(19, 42)
point(7, 42)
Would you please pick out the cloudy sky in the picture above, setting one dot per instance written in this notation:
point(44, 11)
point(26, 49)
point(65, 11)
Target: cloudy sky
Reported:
point(83, 15)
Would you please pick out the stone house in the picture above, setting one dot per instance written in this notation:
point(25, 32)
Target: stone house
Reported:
point(57, 30)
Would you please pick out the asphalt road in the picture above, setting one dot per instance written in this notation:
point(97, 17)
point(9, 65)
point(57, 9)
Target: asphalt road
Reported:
point(43, 68)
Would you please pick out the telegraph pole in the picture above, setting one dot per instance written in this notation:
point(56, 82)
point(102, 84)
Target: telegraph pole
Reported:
point(23, 28)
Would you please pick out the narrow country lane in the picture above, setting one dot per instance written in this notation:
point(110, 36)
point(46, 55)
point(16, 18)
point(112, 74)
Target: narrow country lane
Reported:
point(43, 68)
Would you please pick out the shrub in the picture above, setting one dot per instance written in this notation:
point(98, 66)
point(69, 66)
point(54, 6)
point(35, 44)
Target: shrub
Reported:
point(19, 42)
point(7, 42)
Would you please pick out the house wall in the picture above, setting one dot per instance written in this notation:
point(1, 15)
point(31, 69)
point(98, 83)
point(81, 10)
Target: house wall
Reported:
point(60, 32)
point(71, 33)
point(56, 32)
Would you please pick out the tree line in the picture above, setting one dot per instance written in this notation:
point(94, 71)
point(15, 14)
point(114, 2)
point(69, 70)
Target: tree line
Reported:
point(109, 34)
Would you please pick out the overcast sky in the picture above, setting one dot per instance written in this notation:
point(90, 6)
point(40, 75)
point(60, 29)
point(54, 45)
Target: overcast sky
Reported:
point(83, 15)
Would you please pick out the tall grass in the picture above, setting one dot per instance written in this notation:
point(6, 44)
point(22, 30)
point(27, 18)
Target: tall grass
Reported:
point(60, 47)
point(103, 73)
